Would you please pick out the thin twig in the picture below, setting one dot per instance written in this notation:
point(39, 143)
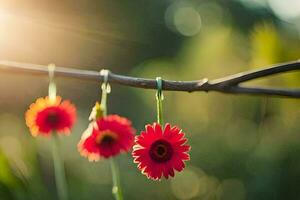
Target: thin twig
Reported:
point(229, 84)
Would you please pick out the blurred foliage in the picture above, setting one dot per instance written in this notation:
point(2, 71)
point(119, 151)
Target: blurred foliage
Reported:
point(243, 147)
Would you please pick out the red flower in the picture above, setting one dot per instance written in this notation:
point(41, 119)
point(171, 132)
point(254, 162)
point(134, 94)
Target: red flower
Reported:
point(158, 152)
point(106, 137)
point(45, 116)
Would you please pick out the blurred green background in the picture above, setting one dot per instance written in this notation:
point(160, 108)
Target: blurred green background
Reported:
point(243, 147)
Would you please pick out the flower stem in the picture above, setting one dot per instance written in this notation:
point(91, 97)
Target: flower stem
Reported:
point(52, 85)
point(159, 99)
point(104, 101)
point(60, 177)
point(116, 190)
point(159, 111)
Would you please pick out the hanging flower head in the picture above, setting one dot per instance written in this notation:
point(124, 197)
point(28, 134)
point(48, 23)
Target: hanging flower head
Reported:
point(46, 116)
point(106, 137)
point(159, 152)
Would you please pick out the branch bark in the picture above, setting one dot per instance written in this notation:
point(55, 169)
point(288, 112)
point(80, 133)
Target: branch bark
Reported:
point(229, 84)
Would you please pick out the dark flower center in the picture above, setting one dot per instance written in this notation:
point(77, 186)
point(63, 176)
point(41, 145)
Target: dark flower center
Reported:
point(161, 151)
point(107, 138)
point(52, 118)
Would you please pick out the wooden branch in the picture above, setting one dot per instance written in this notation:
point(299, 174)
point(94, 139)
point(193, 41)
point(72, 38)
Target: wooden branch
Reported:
point(229, 84)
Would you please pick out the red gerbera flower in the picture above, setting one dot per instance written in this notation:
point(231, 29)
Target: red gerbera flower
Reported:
point(45, 116)
point(158, 152)
point(106, 137)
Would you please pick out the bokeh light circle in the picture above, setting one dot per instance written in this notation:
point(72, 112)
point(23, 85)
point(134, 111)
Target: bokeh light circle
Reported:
point(183, 18)
point(186, 184)
point(285, 9)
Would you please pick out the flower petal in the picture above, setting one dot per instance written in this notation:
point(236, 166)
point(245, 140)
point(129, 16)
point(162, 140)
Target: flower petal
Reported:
point(158, 153)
